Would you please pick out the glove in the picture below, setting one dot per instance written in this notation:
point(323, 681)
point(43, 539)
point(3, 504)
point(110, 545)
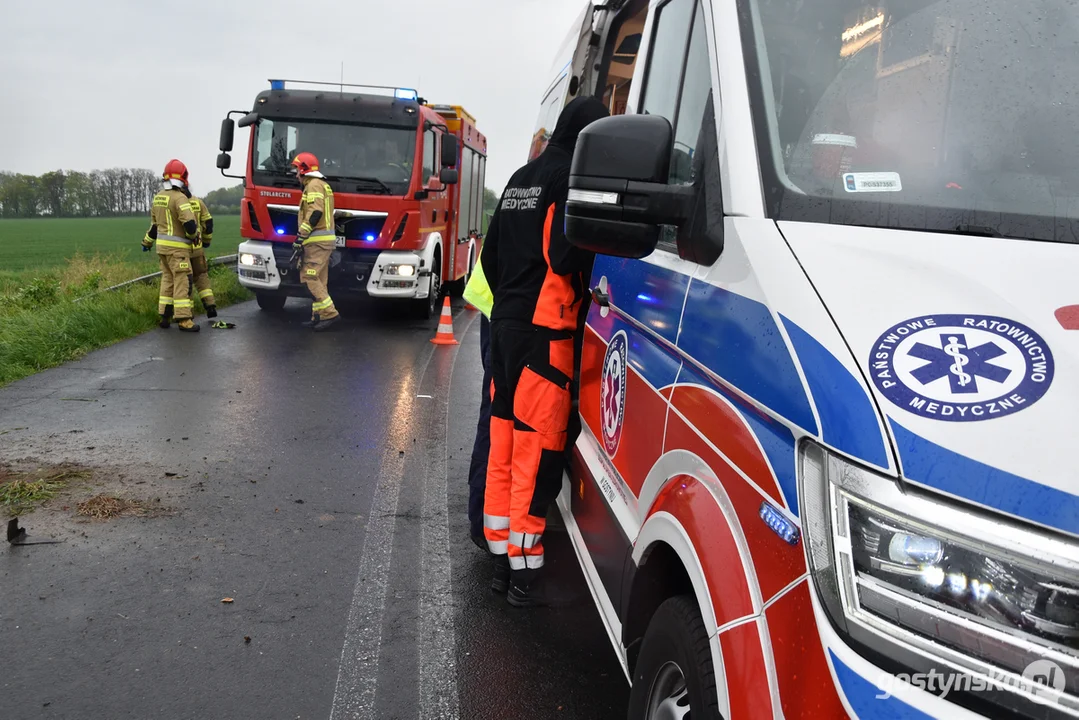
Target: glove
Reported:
point(298, 245)
point(206, 241)
point(147, 243)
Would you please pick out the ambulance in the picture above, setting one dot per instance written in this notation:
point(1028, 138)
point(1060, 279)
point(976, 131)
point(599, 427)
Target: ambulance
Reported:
point(830, 377)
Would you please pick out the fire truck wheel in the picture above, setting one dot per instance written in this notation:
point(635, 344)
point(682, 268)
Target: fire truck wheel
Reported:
point(270, 303)
point(429, 307)
point(674, 677)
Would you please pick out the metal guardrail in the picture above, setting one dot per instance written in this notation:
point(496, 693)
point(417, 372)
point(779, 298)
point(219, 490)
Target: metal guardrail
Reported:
point(220, 260)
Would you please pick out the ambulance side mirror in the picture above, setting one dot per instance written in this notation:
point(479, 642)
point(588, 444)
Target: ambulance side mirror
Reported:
point(449, 151)
point(619, 196)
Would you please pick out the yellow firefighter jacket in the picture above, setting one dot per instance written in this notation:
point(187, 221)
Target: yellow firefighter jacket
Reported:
point(317, 197)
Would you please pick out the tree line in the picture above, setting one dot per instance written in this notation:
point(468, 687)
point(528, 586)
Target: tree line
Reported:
point(99, 193)
point(108, 193)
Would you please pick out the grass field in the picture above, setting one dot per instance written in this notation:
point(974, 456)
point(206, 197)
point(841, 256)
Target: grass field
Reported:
point(51, 271)
point(45, 242)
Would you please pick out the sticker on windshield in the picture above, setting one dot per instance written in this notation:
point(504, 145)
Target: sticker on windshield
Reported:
point(872, 182)
point(612, 391)
point(961, 368)
point(835, 139)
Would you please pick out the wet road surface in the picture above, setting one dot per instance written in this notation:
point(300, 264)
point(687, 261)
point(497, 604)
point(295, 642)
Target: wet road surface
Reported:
point(318, 480)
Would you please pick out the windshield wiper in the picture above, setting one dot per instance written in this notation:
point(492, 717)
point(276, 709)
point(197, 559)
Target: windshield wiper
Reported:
point(978, 230)
point(370, 182)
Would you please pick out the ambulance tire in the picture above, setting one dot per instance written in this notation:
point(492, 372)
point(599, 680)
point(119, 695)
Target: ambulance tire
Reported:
point(675, 665)
point(270, 303)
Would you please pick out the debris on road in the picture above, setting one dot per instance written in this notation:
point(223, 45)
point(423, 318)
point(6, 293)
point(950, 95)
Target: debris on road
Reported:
point(227, 601)
point(104, 507)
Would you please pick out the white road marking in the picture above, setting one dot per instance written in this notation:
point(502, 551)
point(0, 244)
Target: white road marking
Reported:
point(437, 637)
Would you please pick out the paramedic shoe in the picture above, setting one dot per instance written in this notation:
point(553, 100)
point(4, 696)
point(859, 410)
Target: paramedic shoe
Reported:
point(500, 582)
point(310, 323)
point(479, 541)
point(541, 592)
point(328, 323)
point(211, 311)
point(164, 321)
point(188, 326)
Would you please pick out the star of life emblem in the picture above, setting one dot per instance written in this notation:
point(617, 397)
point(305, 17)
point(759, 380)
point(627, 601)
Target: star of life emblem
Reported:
point(961, 368)
point(612, 391)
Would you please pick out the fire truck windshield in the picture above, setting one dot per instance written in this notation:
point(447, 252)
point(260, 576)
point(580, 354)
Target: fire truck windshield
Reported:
point(379, 159)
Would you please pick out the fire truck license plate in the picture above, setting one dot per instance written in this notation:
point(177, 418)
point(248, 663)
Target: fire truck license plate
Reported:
point(339, 241)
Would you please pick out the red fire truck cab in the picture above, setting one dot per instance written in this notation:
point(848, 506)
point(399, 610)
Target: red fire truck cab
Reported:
point(408, 182)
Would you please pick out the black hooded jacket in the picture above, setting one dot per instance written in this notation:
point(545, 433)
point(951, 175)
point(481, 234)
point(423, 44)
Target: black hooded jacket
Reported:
point(536, 275)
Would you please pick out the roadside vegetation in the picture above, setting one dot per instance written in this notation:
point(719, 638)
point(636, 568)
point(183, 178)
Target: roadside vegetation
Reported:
point(52, 309)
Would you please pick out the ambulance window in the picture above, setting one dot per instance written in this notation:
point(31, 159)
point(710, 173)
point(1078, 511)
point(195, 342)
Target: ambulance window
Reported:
point(429, 148)
point(696, 85)
point(665, 59)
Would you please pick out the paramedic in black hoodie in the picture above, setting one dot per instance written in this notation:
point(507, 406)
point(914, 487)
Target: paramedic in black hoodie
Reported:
point(539, 282)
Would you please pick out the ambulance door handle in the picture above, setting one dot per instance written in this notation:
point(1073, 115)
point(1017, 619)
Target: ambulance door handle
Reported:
point(600, 297)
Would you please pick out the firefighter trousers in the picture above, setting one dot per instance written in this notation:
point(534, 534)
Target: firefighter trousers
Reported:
point(175, 283)
point(532, 370)
point(314, 274)
point(200, 271)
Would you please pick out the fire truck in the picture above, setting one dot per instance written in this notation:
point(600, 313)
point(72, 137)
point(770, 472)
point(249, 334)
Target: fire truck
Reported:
point(407, 177)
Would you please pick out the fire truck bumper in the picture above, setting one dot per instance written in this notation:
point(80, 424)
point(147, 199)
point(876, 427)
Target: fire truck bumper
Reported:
point(256, 266)
point(402, 275)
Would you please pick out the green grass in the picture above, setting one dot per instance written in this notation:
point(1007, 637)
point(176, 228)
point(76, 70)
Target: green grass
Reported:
point(51, 316)
point(46, 242)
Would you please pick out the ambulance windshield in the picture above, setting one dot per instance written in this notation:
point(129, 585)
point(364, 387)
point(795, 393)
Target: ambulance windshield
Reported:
point(369, 159)
point(943, 115)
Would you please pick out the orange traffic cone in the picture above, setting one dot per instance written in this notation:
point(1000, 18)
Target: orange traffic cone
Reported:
point(444, 336)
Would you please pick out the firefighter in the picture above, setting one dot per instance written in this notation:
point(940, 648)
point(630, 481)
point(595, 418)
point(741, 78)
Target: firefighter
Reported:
point(539, 284)
point(175, 229)
point(199, 267)
point(315, 240)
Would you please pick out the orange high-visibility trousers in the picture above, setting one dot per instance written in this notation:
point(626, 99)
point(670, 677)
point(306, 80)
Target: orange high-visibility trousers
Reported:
point(531, 370)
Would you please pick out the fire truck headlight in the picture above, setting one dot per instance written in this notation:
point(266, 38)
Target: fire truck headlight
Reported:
point(401, 270)
point(959, 584)
point(251, 260)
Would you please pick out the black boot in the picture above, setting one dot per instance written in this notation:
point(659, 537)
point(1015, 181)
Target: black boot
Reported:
point(328, 323)
point(211, 311)
point(310, 323)
point(500, 581)
point(166, 319)
point(539, 591)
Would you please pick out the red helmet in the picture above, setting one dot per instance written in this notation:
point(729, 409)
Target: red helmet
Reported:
point(175, 170)
point(305, 163)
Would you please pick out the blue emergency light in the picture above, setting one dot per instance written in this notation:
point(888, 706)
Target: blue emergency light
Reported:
point(277, 84)
point(405, 94)
point(370, 238)
point(280, 231)
point(779, 524)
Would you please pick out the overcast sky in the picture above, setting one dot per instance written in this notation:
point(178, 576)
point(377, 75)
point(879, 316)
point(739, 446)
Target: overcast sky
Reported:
point(132, 83)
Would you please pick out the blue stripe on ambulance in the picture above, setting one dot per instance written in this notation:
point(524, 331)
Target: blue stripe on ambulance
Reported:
point(657, 295)
point(738, 339)
point(847, 416)
point(864, 697)
point(930, 464)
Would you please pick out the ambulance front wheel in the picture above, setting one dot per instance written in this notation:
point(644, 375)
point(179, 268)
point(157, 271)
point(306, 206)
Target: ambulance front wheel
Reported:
point(270, 303)
point(674, 676)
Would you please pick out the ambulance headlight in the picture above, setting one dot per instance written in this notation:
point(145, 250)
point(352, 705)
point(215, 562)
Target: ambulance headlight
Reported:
point(959, 585)
point(251, 260)
point(401, 270)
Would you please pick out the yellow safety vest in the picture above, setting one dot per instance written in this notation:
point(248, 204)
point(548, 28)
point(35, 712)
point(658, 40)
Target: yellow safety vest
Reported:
point(478, 292)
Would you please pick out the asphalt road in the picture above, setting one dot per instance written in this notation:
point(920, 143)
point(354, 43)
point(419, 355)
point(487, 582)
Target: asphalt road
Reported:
point(320, 482)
